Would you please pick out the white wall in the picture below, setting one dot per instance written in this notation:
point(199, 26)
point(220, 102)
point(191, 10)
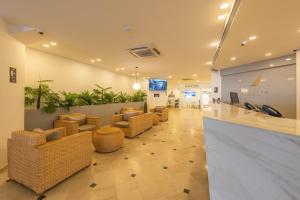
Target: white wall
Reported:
point(298, 84)
point(152, 101)
point(12, 54)
point(69, 75)
point(216, 82)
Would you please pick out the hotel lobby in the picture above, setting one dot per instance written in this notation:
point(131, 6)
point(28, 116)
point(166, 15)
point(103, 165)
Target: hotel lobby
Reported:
point(150, 100)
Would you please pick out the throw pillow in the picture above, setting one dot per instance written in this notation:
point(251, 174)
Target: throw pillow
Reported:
point(127, 115)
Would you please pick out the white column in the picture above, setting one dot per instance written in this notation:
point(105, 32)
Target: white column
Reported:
point(216, 82)
point(298, 82)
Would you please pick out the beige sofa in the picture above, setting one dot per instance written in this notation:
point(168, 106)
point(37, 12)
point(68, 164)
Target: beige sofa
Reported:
point(162, 112)
point(41, 165)
point(78, 122)
point(134, 125)
point(130, 109)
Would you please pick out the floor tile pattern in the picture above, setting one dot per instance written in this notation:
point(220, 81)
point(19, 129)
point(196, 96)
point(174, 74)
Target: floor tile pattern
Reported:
point(165, 163)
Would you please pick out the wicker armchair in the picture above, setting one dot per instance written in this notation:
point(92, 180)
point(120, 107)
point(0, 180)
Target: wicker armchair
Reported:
point(77, 122)
point(41, 165)
point(135, 125)
point(162, 112)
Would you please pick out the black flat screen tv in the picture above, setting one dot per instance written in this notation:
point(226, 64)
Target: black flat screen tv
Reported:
point(158, 85)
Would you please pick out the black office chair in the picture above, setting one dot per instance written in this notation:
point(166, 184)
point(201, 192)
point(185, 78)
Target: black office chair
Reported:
point(271, 111)
point(249, 106)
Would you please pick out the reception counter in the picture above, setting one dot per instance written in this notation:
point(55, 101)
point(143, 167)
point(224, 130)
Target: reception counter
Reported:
point(250, 155)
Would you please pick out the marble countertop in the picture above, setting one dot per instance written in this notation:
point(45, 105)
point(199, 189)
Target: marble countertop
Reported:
point(237, 115)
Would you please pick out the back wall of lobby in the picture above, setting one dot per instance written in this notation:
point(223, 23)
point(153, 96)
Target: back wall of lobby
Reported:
point(69, 75)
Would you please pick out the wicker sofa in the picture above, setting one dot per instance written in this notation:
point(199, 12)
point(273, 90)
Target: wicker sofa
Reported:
point(162, 112)
point(41, 165)
point(130, 109)
point(134, 125)
point(78, 122)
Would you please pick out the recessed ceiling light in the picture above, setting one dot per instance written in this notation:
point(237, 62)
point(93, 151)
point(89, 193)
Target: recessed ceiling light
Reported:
point(195, 75)
point(209, 63)
point(46, 45)
point(53, 43)
point(224, 6)
point(214, 44)
point(92, 60)
point(221, 17)
point(117, 69)
point(252, 37)
point(288, 59)
point(271, 65)
point(233, 58)
point(268, 54)
point(98, 60)
point(170, 76)
point(122, 68)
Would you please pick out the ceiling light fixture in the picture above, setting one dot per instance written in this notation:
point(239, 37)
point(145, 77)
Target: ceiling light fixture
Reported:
point(46, 45)
point(288, 59)
point(98, 60)
point(224, 6)
point(252, 37)
point(136, 85)
point(123, 68)
point(117, 69)
point(92, 60)
point(195, 75)
point(268, 54)
point(271, 65)
point(209, 63)
point(170, 76)
point(221, 17)
point(214, 44)
point(53, 43)
point(233, 58)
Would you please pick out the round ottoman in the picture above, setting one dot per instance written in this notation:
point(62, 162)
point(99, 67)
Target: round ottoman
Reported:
point(156, 119)
point(108, 139)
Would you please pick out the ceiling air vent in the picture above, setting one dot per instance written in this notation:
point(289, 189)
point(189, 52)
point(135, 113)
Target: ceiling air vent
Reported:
point(144, 52)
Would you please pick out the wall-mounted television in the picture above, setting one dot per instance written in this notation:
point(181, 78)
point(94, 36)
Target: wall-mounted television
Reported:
point(190, 93)
point(157, 85)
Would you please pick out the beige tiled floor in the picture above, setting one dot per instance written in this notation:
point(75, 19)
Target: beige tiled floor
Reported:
point(166, 160)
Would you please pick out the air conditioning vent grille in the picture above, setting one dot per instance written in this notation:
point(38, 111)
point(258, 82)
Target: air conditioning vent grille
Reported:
point(144, 52)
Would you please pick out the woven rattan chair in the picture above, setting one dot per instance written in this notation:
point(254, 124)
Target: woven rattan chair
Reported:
point(40, 165)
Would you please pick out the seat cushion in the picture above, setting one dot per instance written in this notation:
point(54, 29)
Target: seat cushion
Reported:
point(122, 124)
point(127, 115)
point(87, 127)
point(80, 118)
point(50, 134)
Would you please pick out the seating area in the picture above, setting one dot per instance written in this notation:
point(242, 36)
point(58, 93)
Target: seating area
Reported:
point(40, 159)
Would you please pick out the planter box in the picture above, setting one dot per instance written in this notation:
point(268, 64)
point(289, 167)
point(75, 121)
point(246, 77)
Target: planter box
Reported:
point(39, 119)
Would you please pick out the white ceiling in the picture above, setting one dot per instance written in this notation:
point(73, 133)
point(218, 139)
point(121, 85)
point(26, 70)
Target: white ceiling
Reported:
point(84, 30)
point(276, 23)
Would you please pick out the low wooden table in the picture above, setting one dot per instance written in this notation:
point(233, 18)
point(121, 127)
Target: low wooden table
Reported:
point(108, 139)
